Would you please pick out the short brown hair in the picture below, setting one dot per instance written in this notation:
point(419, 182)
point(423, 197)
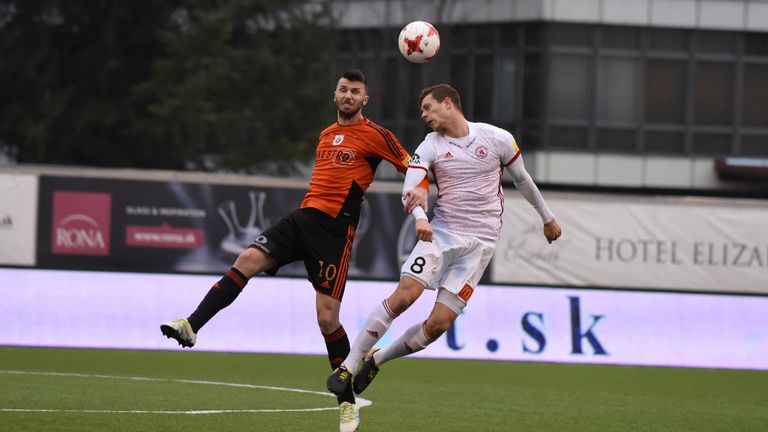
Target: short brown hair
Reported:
point(440, 92)
point(355, 75)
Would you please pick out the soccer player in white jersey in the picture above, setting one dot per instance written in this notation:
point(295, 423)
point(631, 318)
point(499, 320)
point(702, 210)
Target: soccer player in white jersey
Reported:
point(467, 160)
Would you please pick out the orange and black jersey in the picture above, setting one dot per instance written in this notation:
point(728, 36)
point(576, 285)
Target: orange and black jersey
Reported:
point(345, 163)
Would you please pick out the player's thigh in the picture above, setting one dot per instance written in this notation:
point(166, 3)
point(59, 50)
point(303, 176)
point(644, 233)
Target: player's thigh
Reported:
point(281, 242)
point(467, 266)
point(463, 273)
point(328, 246)
point(253, 261)
point(424, 264)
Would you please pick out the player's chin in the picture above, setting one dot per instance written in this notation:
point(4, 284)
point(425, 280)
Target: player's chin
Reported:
point(348, 111)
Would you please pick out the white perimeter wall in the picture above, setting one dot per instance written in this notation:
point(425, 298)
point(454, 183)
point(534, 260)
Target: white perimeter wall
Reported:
point(124, 310)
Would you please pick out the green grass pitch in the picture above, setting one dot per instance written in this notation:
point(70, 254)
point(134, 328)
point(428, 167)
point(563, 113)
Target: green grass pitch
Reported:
point(97, 390)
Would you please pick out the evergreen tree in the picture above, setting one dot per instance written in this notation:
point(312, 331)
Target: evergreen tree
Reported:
point(164, 84)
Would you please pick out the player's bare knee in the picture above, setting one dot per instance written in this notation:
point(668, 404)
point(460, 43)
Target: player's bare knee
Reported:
point(398, 304)
point(406, 293)
point(253, 261)
point(327, 323)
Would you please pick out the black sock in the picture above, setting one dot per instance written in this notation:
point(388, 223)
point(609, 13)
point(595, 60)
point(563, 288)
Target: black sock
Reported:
point(337, 344)
point(221, 295)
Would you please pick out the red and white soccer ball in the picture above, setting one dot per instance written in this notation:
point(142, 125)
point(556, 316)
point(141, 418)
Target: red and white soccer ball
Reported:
point(419, 42)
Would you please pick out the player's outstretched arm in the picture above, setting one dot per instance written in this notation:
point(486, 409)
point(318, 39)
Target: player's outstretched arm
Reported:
point(528, 189)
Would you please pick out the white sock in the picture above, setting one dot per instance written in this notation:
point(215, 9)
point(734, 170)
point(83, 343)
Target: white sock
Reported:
point(413, 340)
point(375, 326)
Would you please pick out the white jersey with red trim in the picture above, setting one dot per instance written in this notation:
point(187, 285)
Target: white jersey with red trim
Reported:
point(468, 174)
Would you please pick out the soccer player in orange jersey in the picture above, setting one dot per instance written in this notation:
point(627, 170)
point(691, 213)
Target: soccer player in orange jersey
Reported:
point(321, 231)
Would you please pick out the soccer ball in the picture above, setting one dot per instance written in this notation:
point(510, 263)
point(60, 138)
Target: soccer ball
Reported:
point(419, 42)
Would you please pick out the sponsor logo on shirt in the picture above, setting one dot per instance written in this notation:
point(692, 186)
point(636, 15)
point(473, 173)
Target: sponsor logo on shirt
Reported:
point(339, 157)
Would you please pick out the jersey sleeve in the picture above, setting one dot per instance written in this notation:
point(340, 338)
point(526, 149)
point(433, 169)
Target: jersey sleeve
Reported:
point(423, 157)
point(507, 147)
point(390, 149)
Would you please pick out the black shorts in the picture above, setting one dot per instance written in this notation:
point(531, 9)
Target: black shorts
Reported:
point(323, 242)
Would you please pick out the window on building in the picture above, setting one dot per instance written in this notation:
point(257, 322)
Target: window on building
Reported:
point(568, 137)
point(369, 40)
point(570, 35)
point(755, 95)
point(460, 37)
point(509, 35)
point(668, 40)
point(713, 94)
point(414, 87)
point(532, 138)
point(569, 87)
point(712, 144)
point(506, 88)
point(754, 145)
point(716, 42)
point(665, 91)
point(532, 87)
point(533, 34)
point(626, 38)
point(756, 44)
point(485, 37)
point(617, 83)
point(621, 140)
point(459, 78)
point(390, 89)
point(484, 91)
point(664, 142)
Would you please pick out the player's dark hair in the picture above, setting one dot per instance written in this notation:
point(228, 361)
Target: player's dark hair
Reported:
point(440, 92)
point(355, 75)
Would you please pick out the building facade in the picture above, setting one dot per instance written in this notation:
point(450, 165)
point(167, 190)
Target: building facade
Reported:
point(616, 93)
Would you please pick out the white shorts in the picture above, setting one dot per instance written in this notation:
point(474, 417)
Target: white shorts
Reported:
point(450, 262)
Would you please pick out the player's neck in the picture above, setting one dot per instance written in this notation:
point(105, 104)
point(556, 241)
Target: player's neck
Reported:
point(457, 129)
point(348, 121)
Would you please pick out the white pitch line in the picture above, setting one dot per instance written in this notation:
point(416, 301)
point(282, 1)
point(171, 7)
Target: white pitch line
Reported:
point(360, 401)
point(193, 412)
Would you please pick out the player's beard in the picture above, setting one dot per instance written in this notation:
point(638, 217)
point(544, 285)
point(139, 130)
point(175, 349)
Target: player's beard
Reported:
point(350, 113)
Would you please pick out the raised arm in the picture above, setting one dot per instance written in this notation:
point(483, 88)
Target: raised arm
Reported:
point(528, 189)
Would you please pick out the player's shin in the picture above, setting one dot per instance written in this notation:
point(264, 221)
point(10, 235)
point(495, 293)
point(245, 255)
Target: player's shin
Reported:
point(337, 344)
point(221, 295)
point(413, 340)
point(376, 325)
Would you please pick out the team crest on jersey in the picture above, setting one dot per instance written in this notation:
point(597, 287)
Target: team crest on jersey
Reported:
point(481, 152)
point(338, 139)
